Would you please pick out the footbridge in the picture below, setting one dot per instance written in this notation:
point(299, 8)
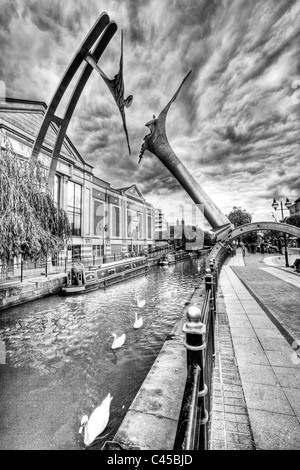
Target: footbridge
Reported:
point(253, 227)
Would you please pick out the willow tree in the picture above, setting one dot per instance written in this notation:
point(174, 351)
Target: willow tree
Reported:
point(31, 224)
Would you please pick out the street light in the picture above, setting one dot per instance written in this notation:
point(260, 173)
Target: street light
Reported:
point(275, 207)
point(104, 230)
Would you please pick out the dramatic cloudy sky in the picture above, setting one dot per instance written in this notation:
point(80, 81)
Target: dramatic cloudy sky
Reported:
point(235, 123)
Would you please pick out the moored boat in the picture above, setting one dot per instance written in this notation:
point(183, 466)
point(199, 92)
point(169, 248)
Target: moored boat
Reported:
point(81, 280)
point(167, 259)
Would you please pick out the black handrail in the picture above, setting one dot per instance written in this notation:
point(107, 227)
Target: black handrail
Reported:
point(194, 421)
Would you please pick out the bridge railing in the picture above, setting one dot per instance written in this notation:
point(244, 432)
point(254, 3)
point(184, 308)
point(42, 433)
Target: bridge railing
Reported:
point(193, 430)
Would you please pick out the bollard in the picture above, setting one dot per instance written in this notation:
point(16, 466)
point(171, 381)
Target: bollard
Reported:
point(196, 436)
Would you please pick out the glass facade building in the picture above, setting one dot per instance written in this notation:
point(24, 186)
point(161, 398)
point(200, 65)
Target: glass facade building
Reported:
point(104, 220)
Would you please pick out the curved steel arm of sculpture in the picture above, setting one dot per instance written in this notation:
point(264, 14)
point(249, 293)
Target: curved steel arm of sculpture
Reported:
point(103, 31)
point(157, 143)
point(116, 87)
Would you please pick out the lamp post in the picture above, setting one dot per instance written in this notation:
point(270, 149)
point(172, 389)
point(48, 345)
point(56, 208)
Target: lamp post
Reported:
point(275, 207)
point(104, 230)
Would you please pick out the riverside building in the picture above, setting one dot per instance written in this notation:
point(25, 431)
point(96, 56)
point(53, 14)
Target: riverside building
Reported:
point(105, 221)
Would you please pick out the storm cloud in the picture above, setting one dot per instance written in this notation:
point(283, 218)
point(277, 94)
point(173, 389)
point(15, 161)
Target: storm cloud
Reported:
point(234, 124)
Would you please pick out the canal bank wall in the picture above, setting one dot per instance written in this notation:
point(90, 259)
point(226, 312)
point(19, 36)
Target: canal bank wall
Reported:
point(152, 419)
point(16, 292)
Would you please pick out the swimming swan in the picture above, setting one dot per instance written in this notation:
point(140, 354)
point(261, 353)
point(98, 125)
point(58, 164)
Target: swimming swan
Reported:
point(118, 342)
point(140, 303)
point(97, 422)
point(138, 321)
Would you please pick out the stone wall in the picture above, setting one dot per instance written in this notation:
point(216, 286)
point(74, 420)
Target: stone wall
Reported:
point(15, 293)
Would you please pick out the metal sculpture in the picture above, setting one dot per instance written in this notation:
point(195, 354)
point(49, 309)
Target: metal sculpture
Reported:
point(106, 30)
point(157, 143)
point(116, 86)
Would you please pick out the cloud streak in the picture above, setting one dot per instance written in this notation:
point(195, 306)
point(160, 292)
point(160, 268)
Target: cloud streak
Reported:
point(234, 124)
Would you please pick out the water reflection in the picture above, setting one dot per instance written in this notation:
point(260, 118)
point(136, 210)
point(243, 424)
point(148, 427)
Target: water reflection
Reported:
point(57, 363)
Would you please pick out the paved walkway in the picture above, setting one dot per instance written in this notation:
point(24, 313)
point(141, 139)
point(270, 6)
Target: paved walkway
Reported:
point(256, 400)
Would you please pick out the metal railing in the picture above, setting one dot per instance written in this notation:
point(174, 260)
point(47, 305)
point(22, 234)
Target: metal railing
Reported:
point(22, 269)
point(193, 430)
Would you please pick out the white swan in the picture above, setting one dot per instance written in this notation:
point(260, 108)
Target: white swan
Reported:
point(118, 342)
point(138, 321)
point(140, 303)
point(97, 422)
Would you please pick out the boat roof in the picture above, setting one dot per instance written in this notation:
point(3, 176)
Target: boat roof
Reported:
point(126, 260)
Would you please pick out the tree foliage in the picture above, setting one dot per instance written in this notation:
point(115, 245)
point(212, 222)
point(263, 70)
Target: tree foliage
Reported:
point(239, 216)
point(31, 223)
point(293, 220)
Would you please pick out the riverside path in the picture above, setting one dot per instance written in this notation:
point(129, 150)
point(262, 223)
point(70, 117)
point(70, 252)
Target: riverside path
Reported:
point(256, 398)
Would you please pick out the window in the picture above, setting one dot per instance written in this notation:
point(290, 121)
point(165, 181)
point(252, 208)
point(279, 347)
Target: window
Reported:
point(98, 218)
point(76, 252)
point(132, 224)
point(74, 207)
point(149, 226)
point(57, 189)
point(115, 212)
point(97, 251)
point(87, 210)
point(140, 226)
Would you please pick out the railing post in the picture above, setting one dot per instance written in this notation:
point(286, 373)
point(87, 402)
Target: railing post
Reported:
point(21, 269)
point(213, 271)
point(195, 344)
point(210, 286)
point(46, 267)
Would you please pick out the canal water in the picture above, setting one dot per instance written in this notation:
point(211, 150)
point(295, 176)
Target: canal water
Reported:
point(56, 361)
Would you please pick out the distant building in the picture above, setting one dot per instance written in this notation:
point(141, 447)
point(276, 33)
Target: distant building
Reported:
point(104, 220)
point(161, 226)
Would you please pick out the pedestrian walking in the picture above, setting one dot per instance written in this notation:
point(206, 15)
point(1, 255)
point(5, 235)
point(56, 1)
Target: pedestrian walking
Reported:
point(243, 248)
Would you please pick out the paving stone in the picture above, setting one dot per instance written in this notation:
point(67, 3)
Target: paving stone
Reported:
point(231, 426)
point(239, 321)
point(276, 344)
point(218, 400)
point(243, 332)
point(266, 397)
point(218, 445)
point(281, 358)
point(242, 418)
point(232, 446)
point(219, 435)
point(268, 333)
point(218, 407)
point(293, 396)
point(258, 373)
point(274, 431)
point(259, 321)
point(243, 428)
point(218, 425)
point(288, 377)
point(251, 357)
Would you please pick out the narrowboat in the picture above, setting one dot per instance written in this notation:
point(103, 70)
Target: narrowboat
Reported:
point(167, 259)
point(81, 280)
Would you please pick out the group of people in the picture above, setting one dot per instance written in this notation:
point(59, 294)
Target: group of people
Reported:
point(263, 247)
point(232, 248)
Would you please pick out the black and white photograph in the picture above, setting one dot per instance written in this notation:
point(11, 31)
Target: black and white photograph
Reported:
point(150, 227)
